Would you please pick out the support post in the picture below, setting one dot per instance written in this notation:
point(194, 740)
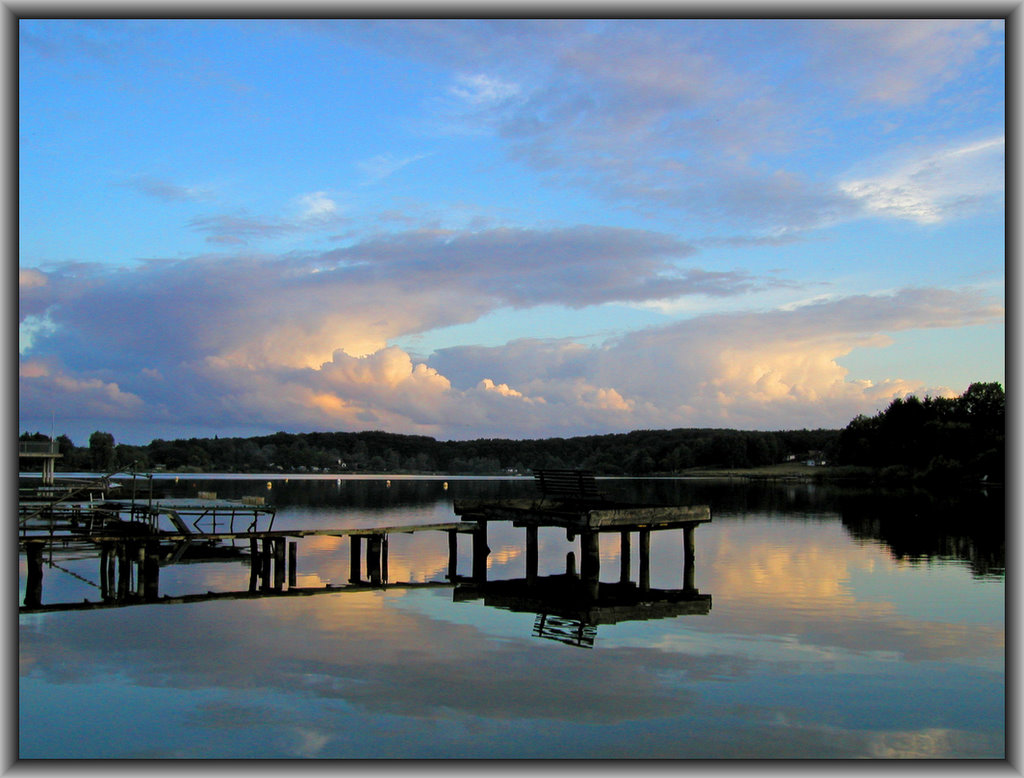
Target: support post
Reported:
point(104, 579)
point(255, 564)
point(689, 554)
point(590, 561)
point(645, 559)
point(266, 557)
point(624, 552)
point(384, 558)
point(34, 581)
point(140, 569)
point(531, 553)
point(453, 554)
point(373, 546)
point(353, 576)
point(278, 563)
point(293, 554)
point(480, 551)
point(151, 572)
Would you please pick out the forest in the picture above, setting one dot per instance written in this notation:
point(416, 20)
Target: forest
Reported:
point(933, 438)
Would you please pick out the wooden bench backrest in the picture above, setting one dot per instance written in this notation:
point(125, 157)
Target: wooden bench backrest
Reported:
point(573, 484)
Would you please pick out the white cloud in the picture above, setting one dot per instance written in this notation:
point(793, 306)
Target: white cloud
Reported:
point(317, 206)
point(481, 89)
point(32, 327)
point(936, 187)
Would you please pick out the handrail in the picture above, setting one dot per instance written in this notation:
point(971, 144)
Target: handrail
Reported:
point(38, 447)
point(103, 482)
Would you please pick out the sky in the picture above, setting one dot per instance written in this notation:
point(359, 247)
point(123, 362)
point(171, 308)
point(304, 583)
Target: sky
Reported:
point(504, 228)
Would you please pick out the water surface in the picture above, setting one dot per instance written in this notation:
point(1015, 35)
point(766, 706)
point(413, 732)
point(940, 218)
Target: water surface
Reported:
point(839, 624)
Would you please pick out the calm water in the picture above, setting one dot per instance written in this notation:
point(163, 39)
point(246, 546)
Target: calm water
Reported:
point(840, 625)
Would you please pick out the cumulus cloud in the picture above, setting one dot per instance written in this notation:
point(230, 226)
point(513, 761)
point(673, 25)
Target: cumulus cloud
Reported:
point(303, 339)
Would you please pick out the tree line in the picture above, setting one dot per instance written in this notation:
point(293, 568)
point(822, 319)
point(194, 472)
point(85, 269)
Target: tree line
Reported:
point(642, 452)
point(938, 439)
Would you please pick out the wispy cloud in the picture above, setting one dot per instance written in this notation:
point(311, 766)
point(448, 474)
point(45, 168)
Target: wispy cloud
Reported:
point(385, 165)
point(482, 89)
point(166, 190)
point(938, 186)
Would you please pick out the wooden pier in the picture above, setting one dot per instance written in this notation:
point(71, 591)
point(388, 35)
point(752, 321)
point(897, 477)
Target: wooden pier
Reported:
point(132, 547)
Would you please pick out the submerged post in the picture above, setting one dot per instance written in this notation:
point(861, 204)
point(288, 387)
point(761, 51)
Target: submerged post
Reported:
point(689, 554)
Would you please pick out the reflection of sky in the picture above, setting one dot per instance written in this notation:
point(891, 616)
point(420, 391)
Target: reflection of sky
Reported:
point(815, 646)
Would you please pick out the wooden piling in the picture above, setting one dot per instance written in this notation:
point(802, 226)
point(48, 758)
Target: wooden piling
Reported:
point(354, 565)
point(624, 552)
point(645, 559)
point(453, 554)
point(480, 551)
point(373, 546)
point(531, 552)
point(279, 563)
point(34, 580)
point(293, 554)
point(151, 572)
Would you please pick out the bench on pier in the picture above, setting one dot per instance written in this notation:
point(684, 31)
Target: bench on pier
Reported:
point(570, 485)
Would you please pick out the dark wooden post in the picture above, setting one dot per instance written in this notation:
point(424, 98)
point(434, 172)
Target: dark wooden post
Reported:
point(480, 551)
point(373, 559)
point(531, 553)
point(139, 552)
point(645, 559)
point(34, 580)
point(255, 564)
point(293, 554)
point(624, 551)
point(590, 561)
point(689, 554)
point(453, 554)
point(104, 578)
point(353, 576)
point(111, 574)
point(267, 555)
point(278, 563)
point(151, 571)
point(124, 572)
point(384, 558)
point(570, 564)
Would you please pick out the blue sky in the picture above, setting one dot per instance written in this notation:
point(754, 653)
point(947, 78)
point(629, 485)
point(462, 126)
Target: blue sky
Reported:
point(510, 228)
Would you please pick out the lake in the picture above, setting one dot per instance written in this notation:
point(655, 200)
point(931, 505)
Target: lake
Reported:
point(813, 622)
